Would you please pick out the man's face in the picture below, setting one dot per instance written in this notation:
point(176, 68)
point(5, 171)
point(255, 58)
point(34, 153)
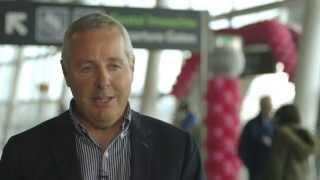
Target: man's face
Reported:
point(100, 75)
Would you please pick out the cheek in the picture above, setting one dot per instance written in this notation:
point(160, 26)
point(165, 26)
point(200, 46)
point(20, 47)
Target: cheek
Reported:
point(80, 87)
point(123, 80)
point(126, 82)
point(123, 89)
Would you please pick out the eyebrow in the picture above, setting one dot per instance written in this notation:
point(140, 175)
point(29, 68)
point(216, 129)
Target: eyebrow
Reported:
point(115, 59)
point(84, 61)
point(110, 59)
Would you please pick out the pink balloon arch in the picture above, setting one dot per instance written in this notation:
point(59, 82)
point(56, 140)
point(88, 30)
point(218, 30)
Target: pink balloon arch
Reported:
point(281, 39)
point(223, 95)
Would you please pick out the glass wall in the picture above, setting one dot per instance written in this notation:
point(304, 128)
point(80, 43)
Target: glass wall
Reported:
point(33, 88)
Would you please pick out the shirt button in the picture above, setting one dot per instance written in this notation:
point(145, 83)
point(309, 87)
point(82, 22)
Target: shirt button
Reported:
point(106, 154)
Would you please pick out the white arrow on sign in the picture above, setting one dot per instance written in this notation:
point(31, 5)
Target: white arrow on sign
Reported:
point(14, 22)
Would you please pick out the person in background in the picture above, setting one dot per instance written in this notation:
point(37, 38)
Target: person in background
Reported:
point(292, 145)
point(100, 137)
point(256, 140)
point(186, 119)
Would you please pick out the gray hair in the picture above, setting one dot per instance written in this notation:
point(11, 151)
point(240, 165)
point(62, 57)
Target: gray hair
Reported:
point(91, 22)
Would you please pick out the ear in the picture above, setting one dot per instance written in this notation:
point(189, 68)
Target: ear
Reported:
point(65, 73)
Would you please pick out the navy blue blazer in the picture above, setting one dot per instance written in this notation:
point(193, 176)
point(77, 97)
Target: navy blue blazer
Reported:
point(48, 152)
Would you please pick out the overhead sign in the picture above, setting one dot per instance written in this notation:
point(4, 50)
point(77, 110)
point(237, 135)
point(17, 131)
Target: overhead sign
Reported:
point(259, 63)
point(14, 22)
point(45, 24)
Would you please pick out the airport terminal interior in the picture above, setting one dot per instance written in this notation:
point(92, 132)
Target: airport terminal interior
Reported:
point(273, 53)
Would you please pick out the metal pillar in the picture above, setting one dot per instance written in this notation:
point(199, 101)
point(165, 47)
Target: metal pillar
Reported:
point(204, 51)
point(308, 72)
point(307, 79)
point(150, 93)
point(12, 96)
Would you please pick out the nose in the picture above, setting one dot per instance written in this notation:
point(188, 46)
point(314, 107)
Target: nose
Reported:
point(103, 78)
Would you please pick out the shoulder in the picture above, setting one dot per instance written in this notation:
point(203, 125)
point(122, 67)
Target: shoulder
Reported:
point(164, 134)
point(255, 122)
point(171, 146)
point(156, 126)
point(41, 131)
point(29, 149)
point(250, 124)
point(161, 134)
point(296, 132)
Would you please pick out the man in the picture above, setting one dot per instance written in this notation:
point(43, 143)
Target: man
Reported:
point(186, 119)
point(100, 137)
point(256, 140)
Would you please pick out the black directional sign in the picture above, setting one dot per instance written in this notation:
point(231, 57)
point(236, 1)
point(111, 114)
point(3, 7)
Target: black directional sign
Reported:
point(259, 63)
point(16, 22)
point(45, 24)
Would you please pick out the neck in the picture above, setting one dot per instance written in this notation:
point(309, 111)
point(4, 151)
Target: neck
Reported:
point(265, 115)
point(104, 136)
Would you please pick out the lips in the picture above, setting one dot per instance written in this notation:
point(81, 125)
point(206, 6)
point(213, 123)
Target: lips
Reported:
point(102, 100)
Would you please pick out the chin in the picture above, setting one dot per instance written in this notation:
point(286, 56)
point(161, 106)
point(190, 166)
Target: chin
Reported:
point(105, 121)
point(100, 124)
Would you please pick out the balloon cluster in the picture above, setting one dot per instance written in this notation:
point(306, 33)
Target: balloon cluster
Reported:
point(226, 63)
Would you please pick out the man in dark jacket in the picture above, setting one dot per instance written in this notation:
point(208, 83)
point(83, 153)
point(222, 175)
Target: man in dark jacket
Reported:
point(100, 136)
point(256, 140)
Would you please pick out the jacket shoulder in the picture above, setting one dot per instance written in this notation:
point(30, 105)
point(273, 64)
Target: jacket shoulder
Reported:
point(171, 145)
point(156, 126)
point(42, 130)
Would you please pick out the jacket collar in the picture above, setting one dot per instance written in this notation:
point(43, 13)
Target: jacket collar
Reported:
point(64, 147)
point(141, 148)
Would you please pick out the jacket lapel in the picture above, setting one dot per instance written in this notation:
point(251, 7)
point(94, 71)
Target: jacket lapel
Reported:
point(64, 148)
point(141, 150)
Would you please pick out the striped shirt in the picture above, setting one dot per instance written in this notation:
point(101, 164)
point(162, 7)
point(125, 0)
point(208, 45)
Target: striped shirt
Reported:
point(96, 164)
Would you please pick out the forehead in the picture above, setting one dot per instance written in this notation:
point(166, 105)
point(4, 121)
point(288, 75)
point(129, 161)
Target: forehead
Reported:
point(105, 39)
point(102, 31)
point(102, 43)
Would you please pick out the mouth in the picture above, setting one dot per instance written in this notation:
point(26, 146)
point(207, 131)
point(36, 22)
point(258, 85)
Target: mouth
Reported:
point(103, 100)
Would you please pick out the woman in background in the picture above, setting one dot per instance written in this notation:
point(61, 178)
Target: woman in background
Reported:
point(291, 148)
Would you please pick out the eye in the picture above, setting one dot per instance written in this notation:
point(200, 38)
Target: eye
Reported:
point(86, 68)
point(114, 67)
